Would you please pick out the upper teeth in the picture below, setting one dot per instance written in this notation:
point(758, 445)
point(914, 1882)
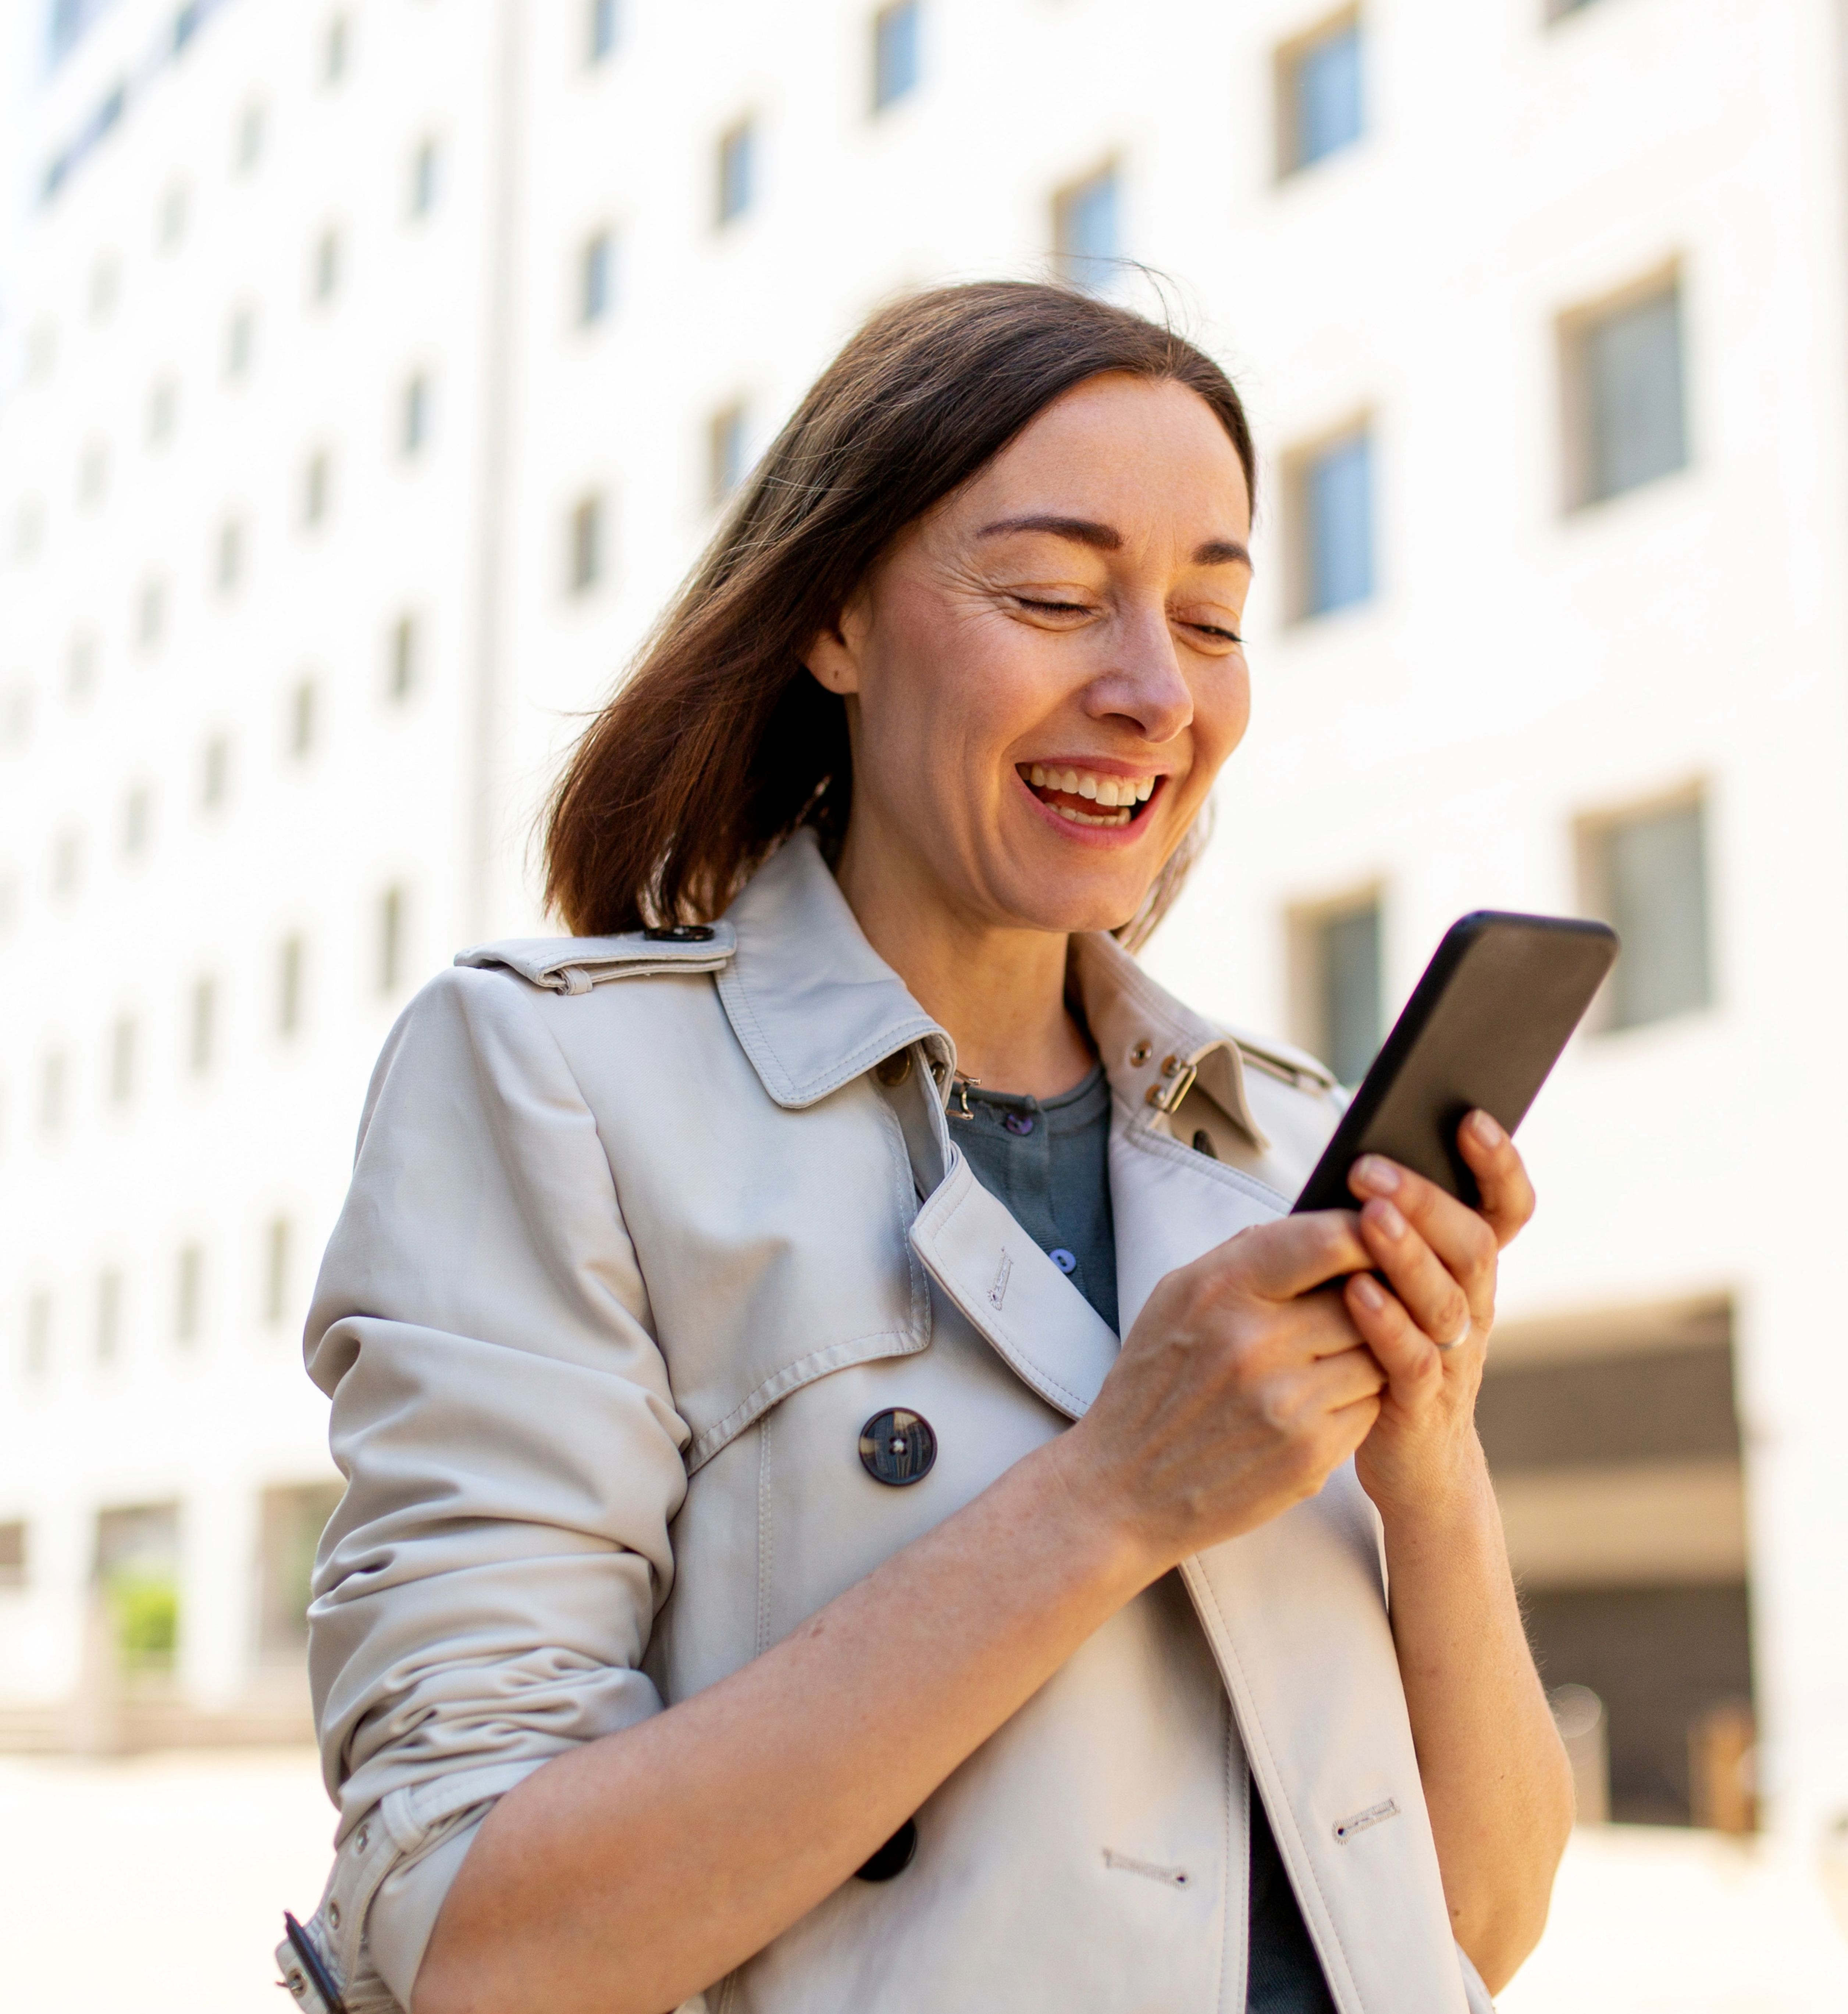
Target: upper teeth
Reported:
point(1110, 791)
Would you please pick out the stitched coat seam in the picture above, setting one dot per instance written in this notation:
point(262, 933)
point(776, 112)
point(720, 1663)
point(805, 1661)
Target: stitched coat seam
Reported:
point(804, 1370)
point(1270, 1755)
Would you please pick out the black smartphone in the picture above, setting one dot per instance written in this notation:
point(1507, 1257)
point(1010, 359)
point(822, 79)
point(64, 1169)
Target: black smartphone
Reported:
point(1484, 1028)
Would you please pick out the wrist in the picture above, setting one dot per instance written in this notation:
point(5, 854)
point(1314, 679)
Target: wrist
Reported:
point(1098, 1525)
point(1439, 1499)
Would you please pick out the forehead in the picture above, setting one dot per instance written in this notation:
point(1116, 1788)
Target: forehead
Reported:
point(1122, 450)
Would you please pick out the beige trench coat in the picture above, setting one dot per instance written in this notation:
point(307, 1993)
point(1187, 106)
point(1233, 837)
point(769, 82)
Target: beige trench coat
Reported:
point(636, 1243)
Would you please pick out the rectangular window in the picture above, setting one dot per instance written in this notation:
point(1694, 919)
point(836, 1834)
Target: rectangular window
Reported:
point(423, 179)
point(1318, 93)
point(414, 419)
point(895, 52)
point(596, 277)
point(67, 862)
point(737, 149)
point(1087, 229)
point(138, 1574)
point(189, 1294)
point(160, 412)
point(290, 1523)
point(301, 719)
point(584, 560)
point(38, 1335)
point(202, 1026)
point(1644, 872)
point(335, 51)
point(276, 1252)
point(1625, 419)
point(603, 23)
point(12, 1553)
point(403, 678)
point(52, 1074)
point(231, 555)
point(250, 138)
point(137, 818)
point(214, 780)
point(1336, 980)
point(392, 921)
point(726, 454)
point(314, 490)
point(326, 271)
point(122, 1061)
point(150, 615)
point(1329, 493)
point(240, 341)
point(289, 986)
point(108, 1316)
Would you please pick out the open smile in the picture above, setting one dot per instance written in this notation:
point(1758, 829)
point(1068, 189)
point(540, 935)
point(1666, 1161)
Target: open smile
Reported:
point(1088, 797)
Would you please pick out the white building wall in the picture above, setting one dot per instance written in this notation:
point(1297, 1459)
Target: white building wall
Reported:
point(1520, 666)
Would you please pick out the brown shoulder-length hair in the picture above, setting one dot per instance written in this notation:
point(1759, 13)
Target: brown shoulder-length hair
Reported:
point(719, 743)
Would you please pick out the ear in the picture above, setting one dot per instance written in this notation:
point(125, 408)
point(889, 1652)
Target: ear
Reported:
point(833, 658)
point(833, 662)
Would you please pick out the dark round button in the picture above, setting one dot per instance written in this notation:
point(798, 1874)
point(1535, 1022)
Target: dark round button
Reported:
point(1019, 1122)
point(681, 934)
point(894, 1857)
point(897, 1447)
point(1062, 1259)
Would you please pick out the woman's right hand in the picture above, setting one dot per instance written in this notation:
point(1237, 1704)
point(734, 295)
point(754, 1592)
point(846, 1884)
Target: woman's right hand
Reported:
point(1242, 1386)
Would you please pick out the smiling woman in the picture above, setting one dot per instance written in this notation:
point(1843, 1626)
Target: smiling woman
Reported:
point(766, 1583)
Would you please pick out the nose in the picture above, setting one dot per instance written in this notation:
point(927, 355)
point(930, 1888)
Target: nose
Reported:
point(1144, 684)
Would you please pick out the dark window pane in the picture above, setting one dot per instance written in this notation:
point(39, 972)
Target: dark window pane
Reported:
point(1087, 229)
point(1661, 1658)
point(736, 172)
point(1350, 975)
point(728, 452)
point(292, 1522)
point(895, 66)
point(1326, 94)
point(1654, 876)
point(1665, 1405)
point(597, 280)
point(1338, 501)
point(1632, 395)
point(605, 26)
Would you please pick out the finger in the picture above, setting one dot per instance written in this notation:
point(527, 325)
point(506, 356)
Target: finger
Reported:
point(1292, 1255)
point(1431, 1293)
point(1461, 1238)
point(1508, 1198)
point(1412, 1363)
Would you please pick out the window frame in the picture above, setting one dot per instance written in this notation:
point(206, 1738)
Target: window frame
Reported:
point(1573, 330)
point(1287, 61)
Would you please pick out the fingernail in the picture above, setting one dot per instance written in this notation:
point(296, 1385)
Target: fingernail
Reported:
point(1366, 1291)
point(1379, 1176)
point(1390, 1221)
point(1487, 1132)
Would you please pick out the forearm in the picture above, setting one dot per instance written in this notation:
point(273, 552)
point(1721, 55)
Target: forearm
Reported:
point(631, 1873)
point(1495, 1777)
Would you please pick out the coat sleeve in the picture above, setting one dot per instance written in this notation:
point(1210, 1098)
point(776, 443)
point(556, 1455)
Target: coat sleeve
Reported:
point(484, 1593)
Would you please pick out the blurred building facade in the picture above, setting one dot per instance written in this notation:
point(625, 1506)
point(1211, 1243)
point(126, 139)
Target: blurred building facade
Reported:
point(376, 370)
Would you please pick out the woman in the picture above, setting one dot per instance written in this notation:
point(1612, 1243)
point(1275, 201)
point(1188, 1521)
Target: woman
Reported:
point(763, 1575)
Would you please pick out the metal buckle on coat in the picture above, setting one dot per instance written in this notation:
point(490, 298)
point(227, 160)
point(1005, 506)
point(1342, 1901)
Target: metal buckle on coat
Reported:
point(963, 1110)
point(1177, 1080)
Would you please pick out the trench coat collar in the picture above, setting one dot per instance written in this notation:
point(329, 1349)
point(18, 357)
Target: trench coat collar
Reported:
point(814, 1006)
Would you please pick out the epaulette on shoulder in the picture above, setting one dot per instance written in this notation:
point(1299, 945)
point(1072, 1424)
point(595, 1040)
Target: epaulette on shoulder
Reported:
point(575, 965)
point(1283, 1059)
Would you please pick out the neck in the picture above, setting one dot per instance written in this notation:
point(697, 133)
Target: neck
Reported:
point(999, 991)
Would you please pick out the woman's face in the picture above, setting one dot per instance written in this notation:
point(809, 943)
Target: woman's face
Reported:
point(1044, 673)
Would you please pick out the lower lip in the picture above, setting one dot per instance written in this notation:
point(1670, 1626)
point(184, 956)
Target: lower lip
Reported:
point(1108, 838)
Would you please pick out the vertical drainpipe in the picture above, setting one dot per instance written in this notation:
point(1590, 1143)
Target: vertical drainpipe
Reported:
point(491, 532)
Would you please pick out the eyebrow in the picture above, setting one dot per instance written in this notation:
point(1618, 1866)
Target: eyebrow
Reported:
point(1107, 538)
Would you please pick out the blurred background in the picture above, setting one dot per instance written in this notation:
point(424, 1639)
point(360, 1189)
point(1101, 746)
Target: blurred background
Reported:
point(370, 372)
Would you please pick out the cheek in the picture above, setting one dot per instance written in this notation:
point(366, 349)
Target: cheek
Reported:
point(1222, 709)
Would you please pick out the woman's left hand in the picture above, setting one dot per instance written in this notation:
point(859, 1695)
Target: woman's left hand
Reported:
point(1428, 1326)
